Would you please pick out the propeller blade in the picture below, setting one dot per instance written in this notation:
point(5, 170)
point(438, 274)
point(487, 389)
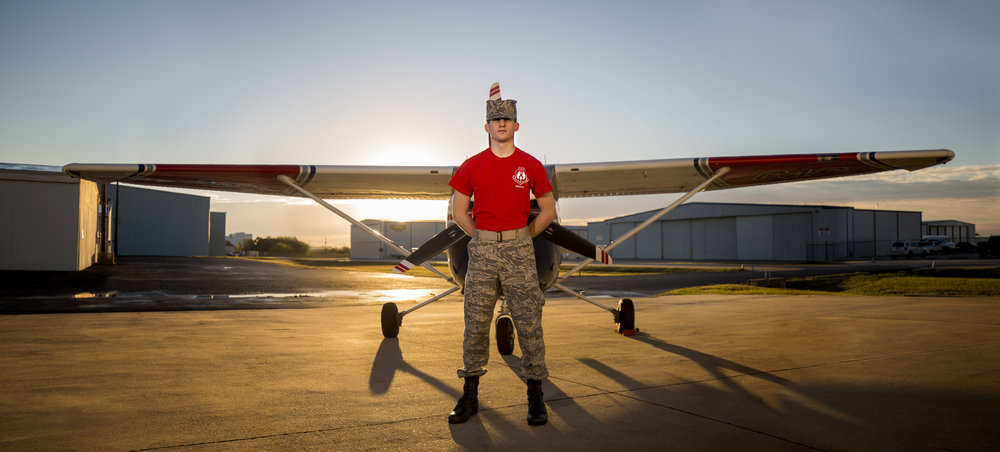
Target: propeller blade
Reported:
point(440, 242)
point(570, 240)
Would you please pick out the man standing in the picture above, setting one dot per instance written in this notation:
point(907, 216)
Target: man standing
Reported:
point(501, 254)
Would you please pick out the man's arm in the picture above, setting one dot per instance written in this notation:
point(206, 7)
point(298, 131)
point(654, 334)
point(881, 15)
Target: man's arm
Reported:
point(547, 203)
point(460, 212)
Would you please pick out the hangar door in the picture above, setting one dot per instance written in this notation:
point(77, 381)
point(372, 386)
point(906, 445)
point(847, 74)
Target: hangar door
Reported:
point(647, 242)
point(713, 239)
point(160, 223)
point(364, 246)
point(754, 238)
point(625, 250)
point(792, 237)
point(676, 239)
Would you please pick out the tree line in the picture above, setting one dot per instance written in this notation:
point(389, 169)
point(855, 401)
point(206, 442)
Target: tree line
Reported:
point(276, 246)
point(289, 247)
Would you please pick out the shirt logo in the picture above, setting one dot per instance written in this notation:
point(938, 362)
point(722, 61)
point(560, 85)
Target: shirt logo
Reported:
point(520, 176)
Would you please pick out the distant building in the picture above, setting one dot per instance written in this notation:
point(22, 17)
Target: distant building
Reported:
point(758, 232)
point(217, 234)
point(956, 231)
point(237, 238)
point(160, 223)
point(409, 235)
point(710, 232)
point(49, 219)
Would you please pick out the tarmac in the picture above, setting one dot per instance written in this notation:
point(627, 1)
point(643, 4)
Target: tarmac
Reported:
point(705, 372)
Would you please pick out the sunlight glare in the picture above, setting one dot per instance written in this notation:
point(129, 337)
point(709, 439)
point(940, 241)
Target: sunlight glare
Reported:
point(396, 154)
point(395, 209)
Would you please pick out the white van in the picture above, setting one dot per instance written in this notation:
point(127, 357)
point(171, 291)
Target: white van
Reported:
point(907, 248)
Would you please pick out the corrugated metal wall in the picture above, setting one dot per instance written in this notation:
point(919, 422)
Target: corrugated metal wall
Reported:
point(409, 235)
point(707, 231)
point(49, 221)
point(363, 246)
point(217, 234)
point(160, 223)
point(749, 232)
point(755, 238)
point(676, 239)
point(792, 235)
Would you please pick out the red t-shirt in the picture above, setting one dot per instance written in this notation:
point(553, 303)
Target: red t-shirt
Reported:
point(501, 186)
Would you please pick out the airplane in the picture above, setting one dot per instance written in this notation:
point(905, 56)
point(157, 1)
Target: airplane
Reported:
point(682, 175)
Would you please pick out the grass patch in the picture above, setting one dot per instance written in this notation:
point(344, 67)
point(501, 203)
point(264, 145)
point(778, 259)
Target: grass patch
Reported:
point(741, 289)
point(965, 282)
point(623, 270)
point(901, 283)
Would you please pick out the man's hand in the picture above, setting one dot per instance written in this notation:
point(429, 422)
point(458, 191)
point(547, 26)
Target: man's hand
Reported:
point(547, 203)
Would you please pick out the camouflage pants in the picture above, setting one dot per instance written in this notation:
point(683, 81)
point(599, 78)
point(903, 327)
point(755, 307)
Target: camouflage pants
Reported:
point(510, 265)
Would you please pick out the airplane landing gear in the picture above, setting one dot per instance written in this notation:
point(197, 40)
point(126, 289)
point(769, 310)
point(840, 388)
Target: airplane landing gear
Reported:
point(625, 314)
point(505, 335)
point(390, 320)
point(625, 317)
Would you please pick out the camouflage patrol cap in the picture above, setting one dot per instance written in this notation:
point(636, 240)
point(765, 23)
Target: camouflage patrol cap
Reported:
point(501, 108)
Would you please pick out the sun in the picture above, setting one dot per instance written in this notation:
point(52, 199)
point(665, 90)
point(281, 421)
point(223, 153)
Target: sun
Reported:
point(396, 154)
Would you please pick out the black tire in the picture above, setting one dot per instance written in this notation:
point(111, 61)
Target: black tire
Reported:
point(505, 335)
point(626, 317)
point(390, 320)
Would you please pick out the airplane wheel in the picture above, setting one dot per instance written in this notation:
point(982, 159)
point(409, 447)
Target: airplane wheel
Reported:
point(390, 320)
point(505, 335)
point(626, 317)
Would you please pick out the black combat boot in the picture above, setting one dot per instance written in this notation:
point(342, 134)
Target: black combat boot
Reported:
point(536, 406)
point(468, 405)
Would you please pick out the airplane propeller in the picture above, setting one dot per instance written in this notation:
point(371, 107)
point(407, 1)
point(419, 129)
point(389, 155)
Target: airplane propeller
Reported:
point(436, 245)
point(555, 233)
point(572, 241)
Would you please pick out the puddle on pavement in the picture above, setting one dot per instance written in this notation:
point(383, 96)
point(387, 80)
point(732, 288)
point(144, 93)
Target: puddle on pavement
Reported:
point(373, 295)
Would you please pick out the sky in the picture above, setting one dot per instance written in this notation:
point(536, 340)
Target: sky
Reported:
point(404, 83)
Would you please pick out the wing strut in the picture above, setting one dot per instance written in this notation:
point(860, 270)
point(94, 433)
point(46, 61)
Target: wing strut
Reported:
point(391, 318)
point(629, 330)
point(403, 251)
point(721, 172)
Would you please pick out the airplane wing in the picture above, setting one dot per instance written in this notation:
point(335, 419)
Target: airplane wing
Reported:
point(569, 180)
point(329, 182)
point(682, 175)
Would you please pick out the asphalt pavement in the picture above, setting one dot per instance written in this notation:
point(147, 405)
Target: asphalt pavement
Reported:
point(183, 283)
point(707, 372)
